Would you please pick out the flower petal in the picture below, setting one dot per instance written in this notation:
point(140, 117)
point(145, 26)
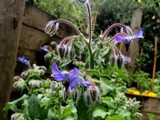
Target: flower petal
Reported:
point(75, 73)
point(44, 49)
point(86, 83)
point(55, 69)
point(23, 60)
point(58, 77)
point(121, 39)
point(57, 74)
point(73, 82)
point(126, 59)
point(139, 33)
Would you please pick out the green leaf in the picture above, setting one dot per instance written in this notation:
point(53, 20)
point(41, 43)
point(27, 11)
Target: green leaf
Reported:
point(52, 114)
point(14, 104)
point(34, 107)
point(99, 112)
point(69, 118)
point(70, 112)
point(115, 117)
point(105, 51)
point(150, 116)
point(105, 87)
point(43, 113)
point(108, 101)
point(96, 73)
point(82, 110)
point(93, 72)
point(121, 73)
point(67, 112)
point(10, 106)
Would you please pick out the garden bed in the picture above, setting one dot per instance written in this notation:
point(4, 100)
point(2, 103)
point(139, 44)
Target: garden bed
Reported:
point(149, 105)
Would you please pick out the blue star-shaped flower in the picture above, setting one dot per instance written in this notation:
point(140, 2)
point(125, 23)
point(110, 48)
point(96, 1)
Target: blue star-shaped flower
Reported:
point(130, 38)
point(71, 78)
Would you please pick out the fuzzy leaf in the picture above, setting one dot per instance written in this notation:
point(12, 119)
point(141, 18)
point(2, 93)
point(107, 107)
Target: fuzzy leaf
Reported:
point(34, 107)
point(115, 117)
point(13, 105)
point(105, 87)
point(99, 112)
point(108, 101)
point(121, 73)
point(96, 73)
point(105, 51)
point(52, 114)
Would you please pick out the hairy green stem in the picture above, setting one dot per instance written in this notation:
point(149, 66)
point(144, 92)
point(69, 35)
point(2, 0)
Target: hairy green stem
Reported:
point(91, 57)
point(60, 116)
point(90, 22)
point(91, 115)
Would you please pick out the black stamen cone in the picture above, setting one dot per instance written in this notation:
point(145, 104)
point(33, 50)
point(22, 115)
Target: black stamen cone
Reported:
point(66, 85)
point(112, 62)
point(119, 62)
point(88, 100)
point(74, 95)
point(66, 95)
point(61, 51)
point(127, 45)
point(93, 95)
point(71, 54)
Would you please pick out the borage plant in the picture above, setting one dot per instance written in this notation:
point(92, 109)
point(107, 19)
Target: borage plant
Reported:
point(87, 82)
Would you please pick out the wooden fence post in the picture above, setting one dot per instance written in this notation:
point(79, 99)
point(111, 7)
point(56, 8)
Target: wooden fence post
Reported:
point(154, 62)
point(134, 47)
point(11, 12)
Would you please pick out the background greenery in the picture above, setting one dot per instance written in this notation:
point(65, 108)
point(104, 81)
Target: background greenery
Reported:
point(109, 12)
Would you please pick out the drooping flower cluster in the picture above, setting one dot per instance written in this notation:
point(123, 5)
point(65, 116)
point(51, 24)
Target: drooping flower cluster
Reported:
point(65, 48)
point(70, 81)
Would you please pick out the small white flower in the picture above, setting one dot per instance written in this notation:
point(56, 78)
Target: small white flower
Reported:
point(35, 83)
point(18, 116)
point(20, 84)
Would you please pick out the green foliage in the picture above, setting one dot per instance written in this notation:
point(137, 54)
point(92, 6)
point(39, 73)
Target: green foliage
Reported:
point(150, 116)
point(115, 11)
point(157, 85)
point(104, 99)
point(143, 81)
point(71, 11)
point(121, 11)
point(34, 107)
point(115, 117)
point(99, 112)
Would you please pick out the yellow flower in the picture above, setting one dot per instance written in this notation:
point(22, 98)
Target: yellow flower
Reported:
point(152, 94)
point(145, 93)
point(139, 1)
point(131, 91)
point(135, 92)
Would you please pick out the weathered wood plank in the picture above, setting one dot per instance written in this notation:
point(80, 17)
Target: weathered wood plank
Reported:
point(32, 39)
point(11, 12)
point(37, 18)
